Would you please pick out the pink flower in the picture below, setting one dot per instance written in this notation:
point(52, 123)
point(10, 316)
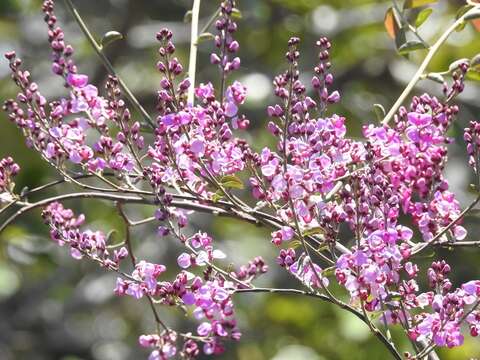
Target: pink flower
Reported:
point(77, 80)
point(184, 261)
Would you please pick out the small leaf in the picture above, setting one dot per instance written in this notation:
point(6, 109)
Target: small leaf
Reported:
point(187, 18)
point(390, 24)
point(217, 196)
point(423, 16)
point(379, 111)
point(411, 4)
point(410, 46)
point(375, 314)
point(110, 37)
point(236, 14)
point(462, 11)
point(231, 181)
point(295, 244)
point(455, 65)
point(401, 38)
point(322, 248)
point(314, 231)
point(394, 296)
point(328, 271)
point(436, 77)
point(461, 26)
point(472, 188)
point(473, 15)
point(205, 37)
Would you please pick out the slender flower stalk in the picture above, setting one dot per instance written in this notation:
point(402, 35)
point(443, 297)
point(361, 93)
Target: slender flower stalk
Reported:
point(192, 63)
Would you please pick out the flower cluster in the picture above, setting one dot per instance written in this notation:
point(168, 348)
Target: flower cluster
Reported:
point(59, 130)
point(450, 309)
point(194, 145)
point(8, 170)
point(225, 42)
point(65, 229)
point(316, 184)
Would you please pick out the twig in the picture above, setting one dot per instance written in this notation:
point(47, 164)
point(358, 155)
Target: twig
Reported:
point(192, 64)
point(433, 50)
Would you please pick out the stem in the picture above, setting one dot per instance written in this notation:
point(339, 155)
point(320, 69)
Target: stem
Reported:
point(322, 297)
point(107, 64)
point(133, 260)
point(431, 53)
point(193, 51)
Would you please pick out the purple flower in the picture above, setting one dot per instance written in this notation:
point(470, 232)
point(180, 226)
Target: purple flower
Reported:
point(184, 261)
point(77, 80)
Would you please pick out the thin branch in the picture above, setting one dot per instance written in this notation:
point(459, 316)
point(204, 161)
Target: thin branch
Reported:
point(127, 233)
point(133, 260)
point(126, 199)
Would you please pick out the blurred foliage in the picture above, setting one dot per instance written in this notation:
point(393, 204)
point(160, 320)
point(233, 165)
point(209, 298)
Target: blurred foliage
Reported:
point(53, 307)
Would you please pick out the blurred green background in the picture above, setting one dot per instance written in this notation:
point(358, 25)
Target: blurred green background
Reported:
point(53, 307)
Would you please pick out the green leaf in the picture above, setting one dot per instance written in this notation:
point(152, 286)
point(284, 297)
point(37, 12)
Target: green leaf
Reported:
point(295, 244)
point(379, 111)
point(423, 16)
point(410, 46)
point(231, 181)
point(472, 188)
point(205, 37)
point(314, 231)
point(459, 14)
point(462, 11)
point(236, 14)
point(411, 4)
point(436, 77)
point(328, 271)
point(110, 37)
point(393, 296)
point(217, 196)
point(461, 26)
point(473, 15)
